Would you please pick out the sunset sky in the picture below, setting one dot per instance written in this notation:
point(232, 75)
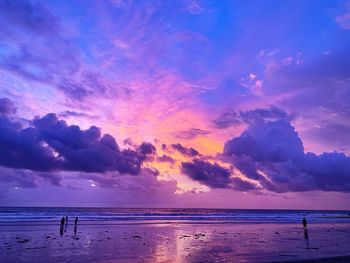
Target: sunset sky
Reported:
point(179, 103)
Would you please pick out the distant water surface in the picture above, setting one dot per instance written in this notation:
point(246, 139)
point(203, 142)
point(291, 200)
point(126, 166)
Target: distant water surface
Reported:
point(52, 215)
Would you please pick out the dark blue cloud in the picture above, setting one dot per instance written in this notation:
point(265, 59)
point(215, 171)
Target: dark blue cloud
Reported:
point(272, 153)
point(212, 175)
point(275, 141)
point(191, 152)
point(49, 144)
point(165, 158)
point(147, 148)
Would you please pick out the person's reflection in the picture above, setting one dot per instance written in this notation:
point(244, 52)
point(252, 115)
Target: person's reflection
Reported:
point(306, 237)
point(306, 234)
point(75, 225)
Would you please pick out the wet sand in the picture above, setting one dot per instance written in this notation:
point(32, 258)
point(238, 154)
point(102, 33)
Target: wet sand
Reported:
point(176, 243)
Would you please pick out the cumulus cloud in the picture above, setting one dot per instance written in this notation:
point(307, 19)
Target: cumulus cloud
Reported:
point(147, 148)
point(214, 176)
point(272, 154)
point(191, 152)
point(165, 159)
point(50, 144)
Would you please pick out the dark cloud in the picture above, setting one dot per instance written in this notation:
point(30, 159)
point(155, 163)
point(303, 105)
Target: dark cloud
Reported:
point(212, 175)
point(275, 141)
point(147, 149)
point(272, 153)
point(191, 152)
point(242, 185)
point(231, 117)
point(165, 158)
point(190, 134)
point(7, 107)
point(50, 144)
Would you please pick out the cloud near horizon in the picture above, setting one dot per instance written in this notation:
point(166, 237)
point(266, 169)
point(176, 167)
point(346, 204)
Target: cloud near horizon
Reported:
point(50, 144)
point(272, 154)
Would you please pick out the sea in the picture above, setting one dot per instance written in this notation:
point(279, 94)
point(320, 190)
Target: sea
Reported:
point(53, 215)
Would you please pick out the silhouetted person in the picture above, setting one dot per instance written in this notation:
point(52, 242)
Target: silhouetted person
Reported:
point(304, 223)
point(75, 225)
point(62, 226)
point(65, 227)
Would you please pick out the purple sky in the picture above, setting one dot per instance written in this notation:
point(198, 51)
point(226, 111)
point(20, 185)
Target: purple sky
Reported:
point(188, 103)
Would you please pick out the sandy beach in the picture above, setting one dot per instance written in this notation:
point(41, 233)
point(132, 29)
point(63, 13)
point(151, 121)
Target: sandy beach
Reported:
point(164, 242)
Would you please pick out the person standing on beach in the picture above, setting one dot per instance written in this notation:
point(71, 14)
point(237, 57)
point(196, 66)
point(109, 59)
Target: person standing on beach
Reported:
point(62, 225)
point(75, 225)
point(304, 223)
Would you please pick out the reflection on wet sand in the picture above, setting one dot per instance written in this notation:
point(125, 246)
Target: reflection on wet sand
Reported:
point(174, 243)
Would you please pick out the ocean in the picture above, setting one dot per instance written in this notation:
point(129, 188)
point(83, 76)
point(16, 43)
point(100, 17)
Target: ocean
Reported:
point(53, 215)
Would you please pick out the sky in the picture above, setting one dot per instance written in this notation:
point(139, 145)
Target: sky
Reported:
point(186, 103)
